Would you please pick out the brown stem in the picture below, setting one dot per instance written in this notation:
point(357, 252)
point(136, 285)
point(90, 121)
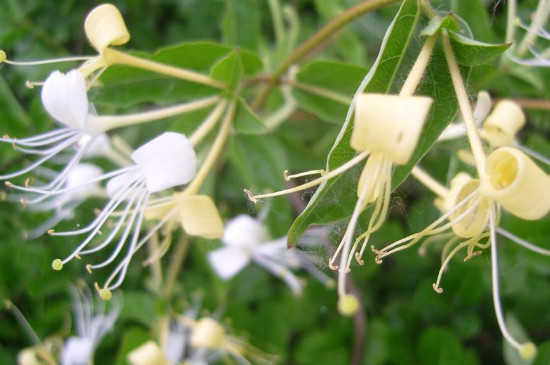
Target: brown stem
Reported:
point(539, 104)
point(316, 39)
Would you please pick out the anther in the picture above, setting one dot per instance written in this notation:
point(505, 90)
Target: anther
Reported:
point(348, 305)
point(51, 231)
point(8, 184)
point(472, 255)
point(438, 290)
point(2, 56)
point(104, 293)
point(250, 196)
point(27, 181)
point(285, 175)
point(89, 268)
point(57, 264)
point(331, 265)
point(23, 202)
point(359, 259)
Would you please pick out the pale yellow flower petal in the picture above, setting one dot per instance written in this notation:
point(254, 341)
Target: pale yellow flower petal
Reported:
point(104, 27)
point(517, 183)
point(389, 124)
point(147, 354)
point(501, 126)
point(199, 216)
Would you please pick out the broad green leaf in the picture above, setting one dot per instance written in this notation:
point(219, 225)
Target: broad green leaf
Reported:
point(439, 346)
point(246, 121)
point(437, 23)
point(474, 12)
point(14, 118)
point(241, 23)
point(335, 199)
point(333, 78)
point(228, 70)
point(470, 52)
point(122, 87)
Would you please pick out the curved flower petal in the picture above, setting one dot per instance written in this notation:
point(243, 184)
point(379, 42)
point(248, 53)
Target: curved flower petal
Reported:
point(166, 161)
point(65, 99)
point(244, 231)
point(228, 261)
point(104, 27)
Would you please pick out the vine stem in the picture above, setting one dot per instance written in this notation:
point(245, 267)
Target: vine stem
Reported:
point(464, 105)
point(315, 40)
point(175, 265)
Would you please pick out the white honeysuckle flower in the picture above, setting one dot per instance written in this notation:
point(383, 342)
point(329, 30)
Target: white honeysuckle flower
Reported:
point(91, 326)
point(246, 239)
point(162, 163)
point(385, 132)
point(65, 98)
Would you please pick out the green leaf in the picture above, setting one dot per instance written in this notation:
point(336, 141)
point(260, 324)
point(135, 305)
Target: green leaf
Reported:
point(543, 354)
point(241, 23)
point(470, 52)
point(474, 12)
point(437, 23)
point(439, 346)
point(246, 121)
point(335, 78)
point(228, 70)
point(335, 199)
point(122, 86)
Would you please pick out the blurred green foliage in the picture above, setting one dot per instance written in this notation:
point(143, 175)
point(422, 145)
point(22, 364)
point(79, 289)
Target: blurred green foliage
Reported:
point(406, 321)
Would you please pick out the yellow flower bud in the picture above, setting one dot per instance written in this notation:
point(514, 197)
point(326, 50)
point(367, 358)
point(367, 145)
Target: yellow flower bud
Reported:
point(517, 183)
point(147, 354)
point(474, 212)
point(207, 334)
point(501, 126)
point(104, 27)
point(389, 124)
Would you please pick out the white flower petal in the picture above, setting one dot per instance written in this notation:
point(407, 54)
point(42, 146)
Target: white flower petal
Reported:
point(77, 351)
point(228, 261)
point(166, 161)
point(244, 230)
point(65, 99)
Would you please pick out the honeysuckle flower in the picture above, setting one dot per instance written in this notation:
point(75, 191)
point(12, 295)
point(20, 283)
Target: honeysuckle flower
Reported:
point(91, 326)
point(247, 239)
point(513, 182)
point(64, 97)
point(193, 340)
point(385, 132)
point(162, 163)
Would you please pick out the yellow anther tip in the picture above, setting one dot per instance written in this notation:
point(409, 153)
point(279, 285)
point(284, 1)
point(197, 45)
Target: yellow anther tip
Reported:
point(527, 351)
point(3, 56)
point(105, 294)
point(348, 305)
point(57, 264)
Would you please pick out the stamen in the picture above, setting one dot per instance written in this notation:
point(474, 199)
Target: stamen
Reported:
point(522, 242)
point(525, 349)
point(430, 240)
point(44, 62)
point(288, 177)
point(436, 285)
point(327, 176)
point(60, 147)
point(534, 154)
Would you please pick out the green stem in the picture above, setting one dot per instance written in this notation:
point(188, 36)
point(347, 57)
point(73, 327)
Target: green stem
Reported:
point(315, 40)
point(175, 265)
